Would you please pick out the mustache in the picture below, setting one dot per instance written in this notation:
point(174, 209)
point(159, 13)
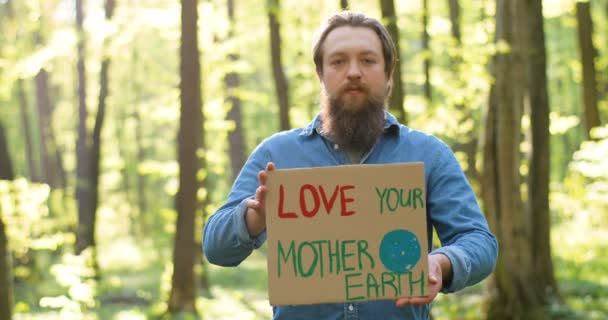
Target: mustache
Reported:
point(354, 86)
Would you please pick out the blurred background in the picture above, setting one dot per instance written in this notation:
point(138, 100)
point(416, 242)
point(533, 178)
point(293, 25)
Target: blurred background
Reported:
point(123, 124)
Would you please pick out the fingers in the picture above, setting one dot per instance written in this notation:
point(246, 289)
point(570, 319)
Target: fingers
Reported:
point(263, 174)
point(270, 166)
point(260, 193)
point(258, 201)
point(253, 204)
point(402, 302)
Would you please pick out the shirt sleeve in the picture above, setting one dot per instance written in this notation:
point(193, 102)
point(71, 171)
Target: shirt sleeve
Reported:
point(226, 241)
point(462, 228)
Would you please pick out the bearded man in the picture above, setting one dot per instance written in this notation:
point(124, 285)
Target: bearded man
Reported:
point(354, 58)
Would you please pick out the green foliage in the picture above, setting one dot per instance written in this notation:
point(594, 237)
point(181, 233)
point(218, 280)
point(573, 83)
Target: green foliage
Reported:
point(590, 168)
point(23, 208)
point(75, 273)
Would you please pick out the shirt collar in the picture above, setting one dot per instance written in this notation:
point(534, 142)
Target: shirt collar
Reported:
point(391, 125)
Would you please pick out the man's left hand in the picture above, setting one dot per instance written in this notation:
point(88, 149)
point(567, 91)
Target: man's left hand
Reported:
point(435, 282)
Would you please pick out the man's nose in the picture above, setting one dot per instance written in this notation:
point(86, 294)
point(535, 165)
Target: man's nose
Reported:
point(354, 71)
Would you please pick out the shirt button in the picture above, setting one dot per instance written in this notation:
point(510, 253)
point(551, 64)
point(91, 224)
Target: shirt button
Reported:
point(336, 146)
point(350, 307)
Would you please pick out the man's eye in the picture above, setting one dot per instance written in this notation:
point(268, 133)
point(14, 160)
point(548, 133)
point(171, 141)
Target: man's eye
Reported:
point(369, 61)
point(337, 62)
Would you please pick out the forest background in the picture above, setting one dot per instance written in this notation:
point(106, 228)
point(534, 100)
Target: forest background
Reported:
point(123, 124)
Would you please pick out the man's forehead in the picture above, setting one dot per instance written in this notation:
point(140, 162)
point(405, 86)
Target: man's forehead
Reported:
point(363, 40)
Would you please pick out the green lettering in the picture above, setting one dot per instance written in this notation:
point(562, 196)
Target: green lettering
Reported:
point(362, 246)
point(290, 252)
point(381, 195)
point(418, 196)
point(334, 256)
point(346, 255)
point(408, 202)
point(319, 244)
point(372, 283)
point(388, 279)
point(313, 264)
point(349, 286)
point(388, 198)
point(420, 281)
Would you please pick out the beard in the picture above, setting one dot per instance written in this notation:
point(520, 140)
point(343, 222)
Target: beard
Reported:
point(353, 124)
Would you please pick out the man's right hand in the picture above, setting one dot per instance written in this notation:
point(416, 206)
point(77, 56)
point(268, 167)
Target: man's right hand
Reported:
point(255, 218)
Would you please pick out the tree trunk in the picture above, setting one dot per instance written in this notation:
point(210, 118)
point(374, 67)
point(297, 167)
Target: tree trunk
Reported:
point(344, 4)
point(96, 138)
point(469, 147)
point(6, 167)
point(588, 53)
point(6, 278)
point(50, 157)
point(232, 82)
point(540, 162)
point(280, 80)
point(513, 295)
point(426, 50)
point(454, 6)
point(189, 140)
point(27, 132)
point(397, 93)
point(141, 179)
point(85, 232)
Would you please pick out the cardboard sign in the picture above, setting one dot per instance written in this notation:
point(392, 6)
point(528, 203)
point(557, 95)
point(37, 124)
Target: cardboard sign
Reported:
point(346, 233)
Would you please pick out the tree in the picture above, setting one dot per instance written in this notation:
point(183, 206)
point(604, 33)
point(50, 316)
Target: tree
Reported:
point(426, 50)
point(588, 52)
point(539, 162)
point(454, 7)
point(514, 295)
point(469, 147)
point(6, 279)
point(280, 80)
point(189, 140)
point(27, 132)
point(397, 94)
point(232, 82)
point(51, 173)
point(95, 153)
point(85, 233)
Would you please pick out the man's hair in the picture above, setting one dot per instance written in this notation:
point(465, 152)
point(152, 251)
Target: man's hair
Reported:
point(355, 19)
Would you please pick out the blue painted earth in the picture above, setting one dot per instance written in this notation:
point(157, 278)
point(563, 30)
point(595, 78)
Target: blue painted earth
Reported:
point(400, 251)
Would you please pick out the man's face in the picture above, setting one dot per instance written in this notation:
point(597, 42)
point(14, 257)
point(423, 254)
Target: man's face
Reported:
point(353, 67)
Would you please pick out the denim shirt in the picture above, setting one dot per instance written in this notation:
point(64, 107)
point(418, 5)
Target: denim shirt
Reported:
point(452, 210)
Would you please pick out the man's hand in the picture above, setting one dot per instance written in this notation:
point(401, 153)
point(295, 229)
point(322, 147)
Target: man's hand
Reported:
point(255, 218)
point(440, 269)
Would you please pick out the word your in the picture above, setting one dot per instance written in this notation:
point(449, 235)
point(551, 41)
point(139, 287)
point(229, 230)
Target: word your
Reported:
point(394, 198)
point(311, 198)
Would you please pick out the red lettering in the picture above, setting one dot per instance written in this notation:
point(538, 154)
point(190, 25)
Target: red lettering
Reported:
point(315, 196)
point(344, 200)
point(329, 204)
point(283, 214)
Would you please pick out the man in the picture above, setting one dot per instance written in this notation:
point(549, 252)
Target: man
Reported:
point(354, 57)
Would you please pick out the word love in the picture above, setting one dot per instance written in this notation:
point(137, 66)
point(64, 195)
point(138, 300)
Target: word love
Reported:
point(314, 198)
